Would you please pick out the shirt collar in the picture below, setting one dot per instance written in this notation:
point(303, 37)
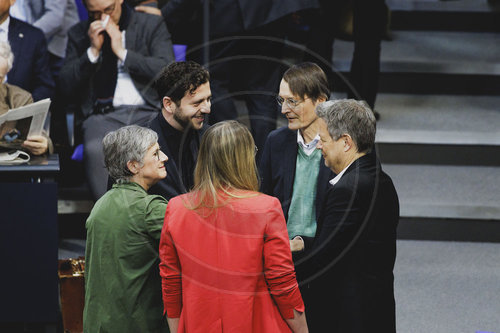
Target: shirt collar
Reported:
point(307, 146)
point(5, 25)
point(336, 179)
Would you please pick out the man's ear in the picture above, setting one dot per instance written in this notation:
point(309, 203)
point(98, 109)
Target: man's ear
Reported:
point(133, 166)
point(348, 142)
point(168, 104)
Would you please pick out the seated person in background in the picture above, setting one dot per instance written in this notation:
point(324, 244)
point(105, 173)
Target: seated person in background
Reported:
point(122, 280)
point(291, 168)
point(12, 97)
point(30, 70)
point(54, 18)
point(226, 263)
point(186, 102)
point(111, 61)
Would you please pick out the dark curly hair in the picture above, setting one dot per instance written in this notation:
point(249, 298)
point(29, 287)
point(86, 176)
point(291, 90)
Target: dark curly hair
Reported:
point(179, 78)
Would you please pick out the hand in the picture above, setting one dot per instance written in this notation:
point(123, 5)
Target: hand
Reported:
point(36, 144)
point(96, 36)
point(148, 10)
point(296, 244)
point(116, 39)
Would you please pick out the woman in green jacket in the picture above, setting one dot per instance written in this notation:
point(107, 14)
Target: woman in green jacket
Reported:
point(122, 281)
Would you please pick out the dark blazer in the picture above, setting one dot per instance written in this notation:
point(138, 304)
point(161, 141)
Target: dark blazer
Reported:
point(31, 60)
point(352, 260)
point(277, 171)
point(149, 49)
point(172, 185)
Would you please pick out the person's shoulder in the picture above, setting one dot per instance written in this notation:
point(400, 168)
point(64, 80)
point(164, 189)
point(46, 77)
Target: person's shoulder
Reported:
point(257, 201)
point(146, 20)
point(281, 133)
point(26, 28)
point(80, 29)
point(15, 91)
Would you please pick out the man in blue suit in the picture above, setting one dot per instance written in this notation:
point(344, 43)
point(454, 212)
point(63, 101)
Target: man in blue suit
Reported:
point(31, 65)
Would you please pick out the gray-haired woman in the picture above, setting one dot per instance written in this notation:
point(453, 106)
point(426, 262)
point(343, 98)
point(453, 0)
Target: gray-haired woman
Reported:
point(122, 280)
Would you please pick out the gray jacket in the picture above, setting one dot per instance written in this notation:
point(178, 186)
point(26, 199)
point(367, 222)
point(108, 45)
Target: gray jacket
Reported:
point(54, 18)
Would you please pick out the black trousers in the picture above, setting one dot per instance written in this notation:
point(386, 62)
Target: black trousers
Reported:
point(369, 25)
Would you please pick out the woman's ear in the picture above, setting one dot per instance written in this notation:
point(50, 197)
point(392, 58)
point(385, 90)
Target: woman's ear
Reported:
point(133, 166)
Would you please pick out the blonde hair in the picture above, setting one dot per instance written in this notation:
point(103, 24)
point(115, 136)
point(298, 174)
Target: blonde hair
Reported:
point(226, 162)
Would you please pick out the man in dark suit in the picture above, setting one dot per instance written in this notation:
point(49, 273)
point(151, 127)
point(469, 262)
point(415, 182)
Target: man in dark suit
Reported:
point(291, 167)
point(111, 61)
point(352, 259)
point(186, 100)
point(31, 65)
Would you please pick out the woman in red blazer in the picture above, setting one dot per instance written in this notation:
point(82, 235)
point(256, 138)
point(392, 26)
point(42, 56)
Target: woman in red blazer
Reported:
point(226, 264)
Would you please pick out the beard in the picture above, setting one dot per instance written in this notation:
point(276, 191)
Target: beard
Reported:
point(182, 119)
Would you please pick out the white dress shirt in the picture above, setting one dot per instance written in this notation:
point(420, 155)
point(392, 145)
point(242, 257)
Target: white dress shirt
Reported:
point(308, 148)
point(125, 91)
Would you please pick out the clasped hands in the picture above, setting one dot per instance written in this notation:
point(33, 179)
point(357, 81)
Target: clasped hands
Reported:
point(96, 35)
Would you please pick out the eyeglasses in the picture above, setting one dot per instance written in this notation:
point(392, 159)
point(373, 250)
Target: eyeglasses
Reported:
point(95, 14)
point(289, 102)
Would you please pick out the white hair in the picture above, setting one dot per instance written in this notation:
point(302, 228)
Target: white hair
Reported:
point(6, 53)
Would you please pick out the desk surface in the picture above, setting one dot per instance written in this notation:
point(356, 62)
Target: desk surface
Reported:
point(37, 164)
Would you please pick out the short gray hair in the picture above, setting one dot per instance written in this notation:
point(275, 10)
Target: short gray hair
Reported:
point(6, 53)
point(348, 116)
point(129, 143)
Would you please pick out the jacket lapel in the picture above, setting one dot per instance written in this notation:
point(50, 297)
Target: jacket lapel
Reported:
point(289, 158)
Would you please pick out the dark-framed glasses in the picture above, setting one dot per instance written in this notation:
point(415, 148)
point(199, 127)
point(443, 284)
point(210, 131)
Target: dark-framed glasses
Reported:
point(96, 14)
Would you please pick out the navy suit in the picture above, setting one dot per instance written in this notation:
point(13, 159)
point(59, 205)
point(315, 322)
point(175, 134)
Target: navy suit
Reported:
point(352, 259)
point(277, 171)
point(31, 60)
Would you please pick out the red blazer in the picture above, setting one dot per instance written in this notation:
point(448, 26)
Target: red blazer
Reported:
point(231, 270)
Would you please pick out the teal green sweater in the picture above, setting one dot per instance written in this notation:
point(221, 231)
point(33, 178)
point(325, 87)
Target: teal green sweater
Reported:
point(302, 211)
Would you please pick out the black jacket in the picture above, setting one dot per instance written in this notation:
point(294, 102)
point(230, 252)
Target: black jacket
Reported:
point(352, 259)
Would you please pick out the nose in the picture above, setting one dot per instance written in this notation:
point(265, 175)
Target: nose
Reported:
point(206, 107)
point(163, 157)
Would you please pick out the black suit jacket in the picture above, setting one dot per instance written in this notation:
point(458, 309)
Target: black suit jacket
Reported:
point(31, 60)
point(172, 185)
point(352, 260)
point(277, 171)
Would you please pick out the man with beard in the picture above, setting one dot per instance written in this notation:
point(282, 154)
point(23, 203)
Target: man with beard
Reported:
point(185, 94)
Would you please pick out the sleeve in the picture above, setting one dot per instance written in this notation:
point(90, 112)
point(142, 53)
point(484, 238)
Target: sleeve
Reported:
point(51, 20)
point(265, 171)
point(278, 265)
point(155, 214)
point(77, 69)
point(43, 82)
point(341, 223)
point(170, 271)
point(160, 52)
